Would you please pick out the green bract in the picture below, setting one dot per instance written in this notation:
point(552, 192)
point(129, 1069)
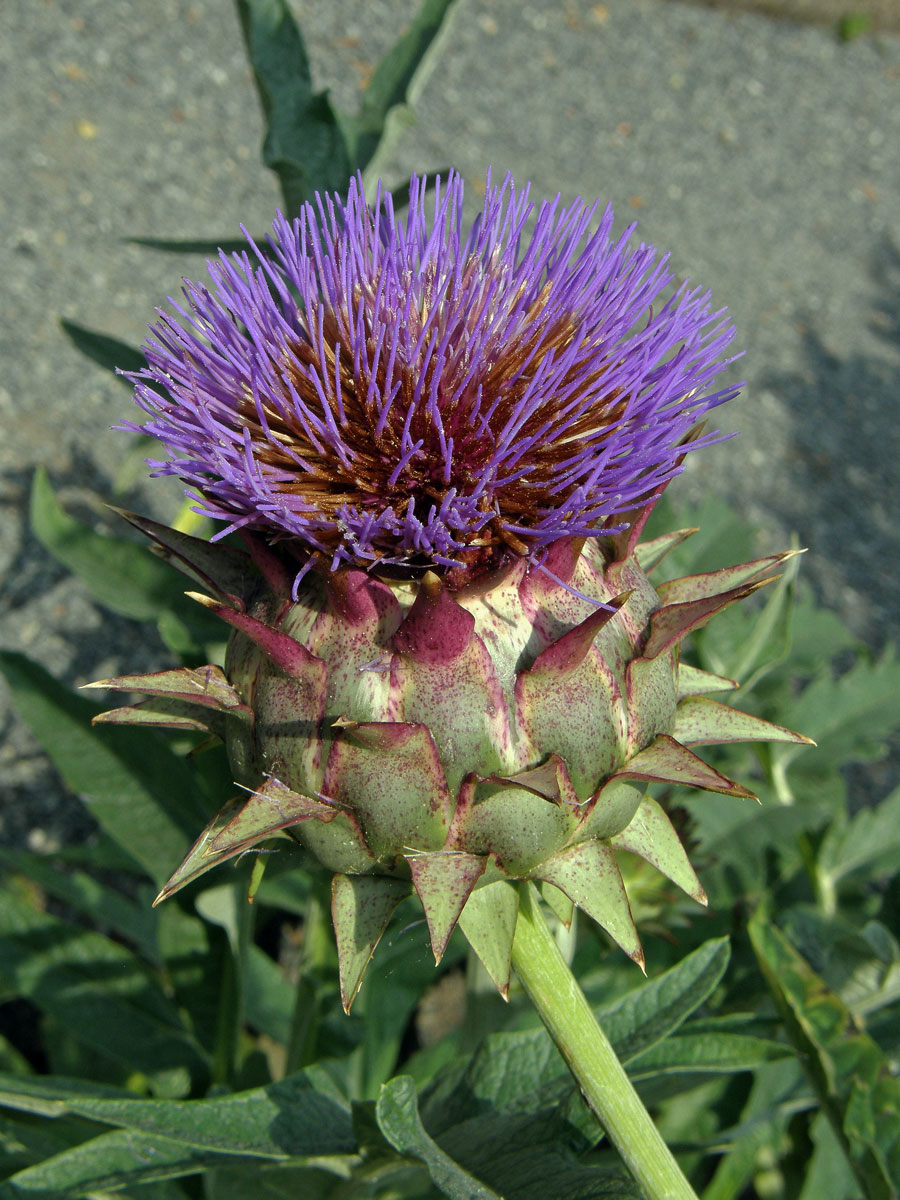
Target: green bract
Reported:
point(418, 738)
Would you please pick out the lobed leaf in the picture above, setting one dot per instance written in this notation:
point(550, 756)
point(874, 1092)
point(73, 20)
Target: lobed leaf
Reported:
point(304, 144)
point(849, 717)
point(853, 1080)
point(871, 840)
point(393, 82)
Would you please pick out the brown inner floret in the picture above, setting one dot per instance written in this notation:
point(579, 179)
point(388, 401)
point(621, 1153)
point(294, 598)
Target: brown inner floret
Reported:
point(329, 483)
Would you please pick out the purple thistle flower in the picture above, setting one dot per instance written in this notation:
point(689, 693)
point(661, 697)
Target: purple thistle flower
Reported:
point(378, 390)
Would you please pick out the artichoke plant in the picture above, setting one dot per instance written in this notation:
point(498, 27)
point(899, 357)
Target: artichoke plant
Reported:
point(448, 669)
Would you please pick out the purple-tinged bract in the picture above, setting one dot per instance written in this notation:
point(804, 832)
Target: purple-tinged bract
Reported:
point(469, 692)
point(386, 389)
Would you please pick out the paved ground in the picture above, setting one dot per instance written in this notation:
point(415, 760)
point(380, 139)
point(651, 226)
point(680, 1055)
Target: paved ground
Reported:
point(761, 152)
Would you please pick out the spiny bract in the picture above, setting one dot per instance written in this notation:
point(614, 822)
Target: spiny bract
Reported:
point(448, 669)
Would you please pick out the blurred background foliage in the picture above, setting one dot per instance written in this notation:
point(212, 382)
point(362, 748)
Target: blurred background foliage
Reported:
point(765, 1038)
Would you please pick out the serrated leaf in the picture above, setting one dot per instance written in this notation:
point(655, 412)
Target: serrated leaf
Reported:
point(107, 351)
point(853, 1081)
point(300, 1116)
point(143, 795)
point(871, 840)
point(303, 144)
point(397, 1113)
point(849, 717)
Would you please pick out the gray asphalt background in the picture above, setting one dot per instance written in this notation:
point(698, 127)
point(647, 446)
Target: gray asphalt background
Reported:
point(762, 153)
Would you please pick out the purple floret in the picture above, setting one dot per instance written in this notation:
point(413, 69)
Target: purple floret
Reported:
point(374, 389)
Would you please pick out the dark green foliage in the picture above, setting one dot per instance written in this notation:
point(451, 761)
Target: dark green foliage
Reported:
point(149, 1006)
point(200, 1049)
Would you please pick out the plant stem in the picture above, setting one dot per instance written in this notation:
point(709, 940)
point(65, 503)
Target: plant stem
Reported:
point(567, 1015)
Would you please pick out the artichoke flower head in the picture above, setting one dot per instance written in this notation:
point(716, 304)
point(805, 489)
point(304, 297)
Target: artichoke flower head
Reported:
point(448, 669)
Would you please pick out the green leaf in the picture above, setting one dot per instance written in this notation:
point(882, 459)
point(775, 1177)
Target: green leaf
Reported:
point(861, 964)
point(298, 1117)
point(138, 790)
point(829, 1176)
point(849, 717)
point(523, 1071)
point(121, 575)
point(871, 841)
point(739, 837)
point(109, 1162)
point(106, 908)
point(108, 351)
point(25, 1139)
point(269, 999)
point(393, 82)
point(264, 1181)
point(397, 1113)
point(403, 969)
point(208, 246)
point(722, 538)
point(768, 642)
point(303, 144)
point(642, 1018)
point(536, 1156)
point(706, 1053)
point(100, 992)
point(11, 1061)
point(819, 634)
point(761, 1131)
point(853, 1080)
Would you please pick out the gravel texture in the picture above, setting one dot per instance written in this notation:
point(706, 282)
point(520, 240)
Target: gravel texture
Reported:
point(761, 152)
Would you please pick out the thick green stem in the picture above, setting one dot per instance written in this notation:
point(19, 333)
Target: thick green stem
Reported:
point(567, 1015)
